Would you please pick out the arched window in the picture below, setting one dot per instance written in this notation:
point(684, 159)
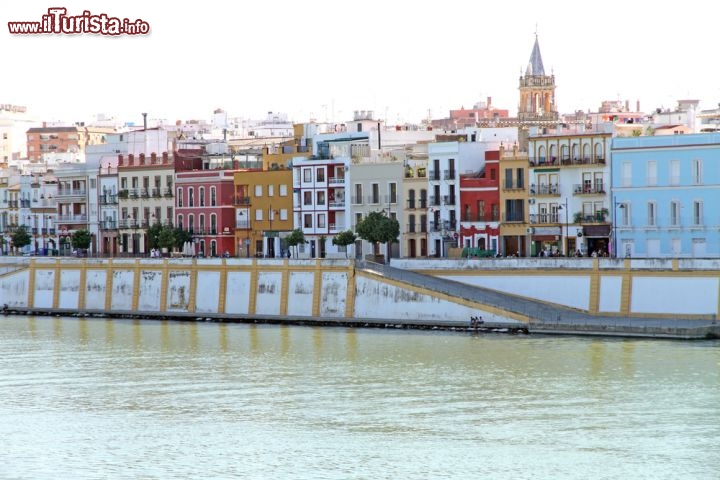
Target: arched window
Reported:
point(191, 223)
point(553, 154)
point(575, 155)
point(213, 197)
point(179, 197)
point(201, 194)
point(180, 221)
point(191, 197)
point(586, 153)
point(202, 223)
point(213, 248)
point(411, 198)
point(541, 155)
point(213, 224)
point(599, 157)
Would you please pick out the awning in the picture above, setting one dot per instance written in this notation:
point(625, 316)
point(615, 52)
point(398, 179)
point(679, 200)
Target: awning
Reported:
point(596, 230)
point(545, 238)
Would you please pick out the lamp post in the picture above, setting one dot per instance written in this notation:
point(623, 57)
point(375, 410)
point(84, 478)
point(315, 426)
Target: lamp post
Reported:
point(567, 228)
point(615, 226)
point(244, 213)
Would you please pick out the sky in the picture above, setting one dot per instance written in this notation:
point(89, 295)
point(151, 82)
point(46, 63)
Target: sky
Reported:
point(324, 59)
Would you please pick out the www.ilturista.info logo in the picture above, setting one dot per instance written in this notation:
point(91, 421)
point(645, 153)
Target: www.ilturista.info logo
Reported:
point(57, 22)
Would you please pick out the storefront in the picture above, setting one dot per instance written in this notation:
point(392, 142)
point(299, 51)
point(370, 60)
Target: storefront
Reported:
point(545, 241)
point(596, 239)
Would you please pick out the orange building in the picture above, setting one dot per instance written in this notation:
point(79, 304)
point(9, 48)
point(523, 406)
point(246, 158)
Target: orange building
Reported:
point(72, 139)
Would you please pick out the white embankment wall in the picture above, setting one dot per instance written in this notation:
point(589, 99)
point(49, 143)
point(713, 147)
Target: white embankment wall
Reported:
point(333, 289)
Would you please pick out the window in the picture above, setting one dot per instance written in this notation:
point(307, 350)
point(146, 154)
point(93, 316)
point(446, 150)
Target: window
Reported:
point(676, 246)
point(358, 194)
point(283, 214)
point(625, 215)
point(307, 175)
point(307, 220)
point(697, 172)
point(321, 220)
point(320, 198)
point(213, 196)
point(180, 222)
point(520, 178)
point(307, 198)
point(271, 190)
point(674, 213)
point(626, 174)
point(508, 178)
point(320, 174)
point(675, 172)
point(259, 214)
point(393, 192)
point(358, 218)
point(92, 183)
point(191, 223)
point(201, 194)
point(169, 214)
point(651, 173)
point(283, 190)
point(651, 213)
point(492, 174)
point(202, 223)
point(213, 224)
point(697, 213)
point(258, 190)
point(191, 197)
point(375, 193)
point(169, 182)
point(179, 197)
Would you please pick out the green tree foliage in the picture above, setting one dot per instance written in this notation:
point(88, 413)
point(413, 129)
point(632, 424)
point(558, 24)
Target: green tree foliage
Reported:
point(166, 238)
point(80, 239)
point(181, 236)
point(343, 239)
point(295, 238)
point(378, 228)
point(153, 234)
point(21, 237)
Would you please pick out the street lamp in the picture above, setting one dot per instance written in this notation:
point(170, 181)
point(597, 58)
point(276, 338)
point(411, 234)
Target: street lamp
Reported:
point(615, 225)
point(567, 214)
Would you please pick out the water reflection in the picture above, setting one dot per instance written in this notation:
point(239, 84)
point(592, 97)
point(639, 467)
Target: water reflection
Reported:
point(144, 399)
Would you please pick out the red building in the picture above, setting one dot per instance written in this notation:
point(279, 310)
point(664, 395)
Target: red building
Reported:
point(480, 206)
point(204, 200)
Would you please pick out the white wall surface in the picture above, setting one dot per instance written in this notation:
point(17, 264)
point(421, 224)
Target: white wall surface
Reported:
point(95, 282)
point(569, 291)
point(44, 288)
point(610, 291)
point(681, 295)
point(376, 299)
point(69, 289)
point(206, 296)
point(237, 292)
point(122, 290)
point(333, 294)
point(150, 290)
point(269, 286)
point(178, 294)
point(300, 294)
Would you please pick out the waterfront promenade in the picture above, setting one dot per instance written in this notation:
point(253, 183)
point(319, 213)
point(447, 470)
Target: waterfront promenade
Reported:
point(512, 297)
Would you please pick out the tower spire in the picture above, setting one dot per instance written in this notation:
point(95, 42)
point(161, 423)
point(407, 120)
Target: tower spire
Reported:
point(535, 66)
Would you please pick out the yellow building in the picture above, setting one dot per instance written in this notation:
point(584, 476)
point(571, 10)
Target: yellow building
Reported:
point(515, 230)
point(263, 212)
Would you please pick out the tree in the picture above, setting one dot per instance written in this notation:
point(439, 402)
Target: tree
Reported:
point(166, 238)
point(378, 228)
point(181, 237)
point(343, 239)
point(80, 239)
point(153, 235)
point(295, 238)
point(20, 237)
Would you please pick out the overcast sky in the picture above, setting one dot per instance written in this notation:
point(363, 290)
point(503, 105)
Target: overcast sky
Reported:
point(325, 58)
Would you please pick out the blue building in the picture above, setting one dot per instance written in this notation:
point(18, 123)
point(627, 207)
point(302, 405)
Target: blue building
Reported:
point(665, 196)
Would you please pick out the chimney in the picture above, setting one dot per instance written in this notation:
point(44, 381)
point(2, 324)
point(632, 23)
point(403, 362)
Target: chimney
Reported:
point(638, 106)
point(165, 158)
point(142, 159)
point(144, 121)
point(131, 159)
point(153, 158)
point(120, 160)
point(627, 105)
point(489, 102)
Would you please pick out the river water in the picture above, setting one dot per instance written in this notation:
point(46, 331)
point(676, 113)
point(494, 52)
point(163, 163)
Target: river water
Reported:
point(95, 398)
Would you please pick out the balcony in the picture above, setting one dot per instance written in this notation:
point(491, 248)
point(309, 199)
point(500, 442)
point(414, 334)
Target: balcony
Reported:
point(449, 174)
point(71, 192)
point(435, 201)
point(337, 204)
point(585, 189)
point(336, 181)
point(552, 189)
point(108, 199)
point(510, 185)
point(434, 175)
point(449, 200)
point(167, 192)
point(156, 192)
point(537, 218)
point(72, 219)
point(108, 225)
point(237, 200)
